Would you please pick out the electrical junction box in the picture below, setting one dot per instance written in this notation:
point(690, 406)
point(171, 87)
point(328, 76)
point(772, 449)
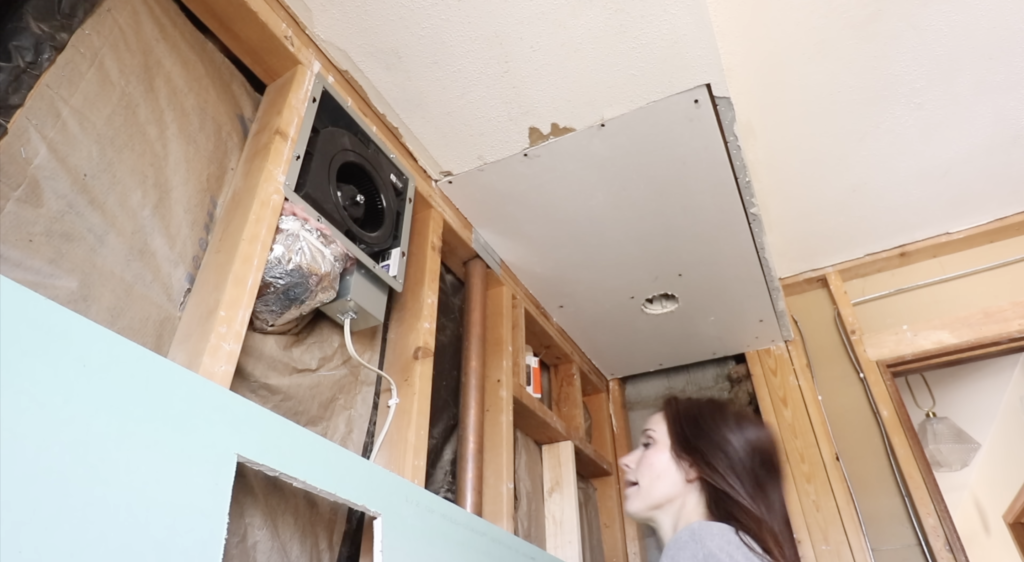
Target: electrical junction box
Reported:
point(343, 175)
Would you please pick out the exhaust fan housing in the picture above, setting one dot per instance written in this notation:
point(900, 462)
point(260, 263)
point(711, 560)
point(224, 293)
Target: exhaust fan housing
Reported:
point(343, 176)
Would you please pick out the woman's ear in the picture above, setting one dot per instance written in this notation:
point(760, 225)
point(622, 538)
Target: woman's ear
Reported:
point(689, 471)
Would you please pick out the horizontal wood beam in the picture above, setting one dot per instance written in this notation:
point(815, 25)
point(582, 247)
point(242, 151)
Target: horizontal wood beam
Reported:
point(543, 426)
point(250, 29)
point(956, 354)
point(209, 336)
point(1000, 322)
point(909, 254)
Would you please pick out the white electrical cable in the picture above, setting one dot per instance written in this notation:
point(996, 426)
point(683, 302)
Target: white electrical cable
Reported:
point(394, 389)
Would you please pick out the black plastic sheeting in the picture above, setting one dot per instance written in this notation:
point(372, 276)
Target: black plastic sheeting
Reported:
point(442, 443)
point(33, 33)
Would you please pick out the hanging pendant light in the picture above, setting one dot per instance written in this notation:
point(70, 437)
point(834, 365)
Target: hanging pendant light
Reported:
point(948, 447)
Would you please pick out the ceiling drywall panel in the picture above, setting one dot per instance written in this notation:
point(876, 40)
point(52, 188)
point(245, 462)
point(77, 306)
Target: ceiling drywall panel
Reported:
point(595, 222)
point(465, 81)
point(868, 125)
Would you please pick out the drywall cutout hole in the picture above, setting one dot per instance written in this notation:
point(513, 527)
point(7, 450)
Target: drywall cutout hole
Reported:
point(276, 517)
point(660, 303)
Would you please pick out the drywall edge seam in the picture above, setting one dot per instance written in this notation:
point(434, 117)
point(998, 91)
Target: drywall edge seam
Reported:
point(727, 118)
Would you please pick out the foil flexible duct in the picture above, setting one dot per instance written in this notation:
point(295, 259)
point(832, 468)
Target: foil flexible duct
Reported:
point(303, 272)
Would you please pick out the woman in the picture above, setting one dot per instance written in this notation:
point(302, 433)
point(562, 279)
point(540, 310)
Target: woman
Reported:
point(706, 477)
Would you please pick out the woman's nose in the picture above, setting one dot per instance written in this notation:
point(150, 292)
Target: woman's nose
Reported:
point(626, 462)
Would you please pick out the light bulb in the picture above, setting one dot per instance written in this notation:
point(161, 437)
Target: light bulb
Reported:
point(948, 447)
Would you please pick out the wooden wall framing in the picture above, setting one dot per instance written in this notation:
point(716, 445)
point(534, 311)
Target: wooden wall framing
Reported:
point(790, 405)
point(269, 40)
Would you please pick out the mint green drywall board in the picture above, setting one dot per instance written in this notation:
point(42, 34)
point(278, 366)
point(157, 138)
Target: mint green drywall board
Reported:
point(109, 452)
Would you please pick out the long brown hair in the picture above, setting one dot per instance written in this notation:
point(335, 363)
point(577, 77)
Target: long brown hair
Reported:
point(738, 465)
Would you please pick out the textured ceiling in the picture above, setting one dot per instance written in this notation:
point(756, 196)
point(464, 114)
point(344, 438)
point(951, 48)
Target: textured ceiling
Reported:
point(868, 125)
point(465, 81)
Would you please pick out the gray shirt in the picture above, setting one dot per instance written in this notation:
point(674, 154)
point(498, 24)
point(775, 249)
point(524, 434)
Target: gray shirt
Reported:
point(708, 541)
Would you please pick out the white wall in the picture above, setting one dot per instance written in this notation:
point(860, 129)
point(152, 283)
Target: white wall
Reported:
point(970, 395)
point(998, 475)
point(464, 81)
point(867, 125)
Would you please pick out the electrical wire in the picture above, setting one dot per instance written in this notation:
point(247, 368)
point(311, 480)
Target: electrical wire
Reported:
point(885, 439)
point(394, 389)
point(828, 427)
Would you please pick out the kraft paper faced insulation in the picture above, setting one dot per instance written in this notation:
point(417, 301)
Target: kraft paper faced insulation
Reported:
point(590, 521)
point(111, 182)
point(252, 536)
point(309, 378)
point(113, 171)
point(529, 496)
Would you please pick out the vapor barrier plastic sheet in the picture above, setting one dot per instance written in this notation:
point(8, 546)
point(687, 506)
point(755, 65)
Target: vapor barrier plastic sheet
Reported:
point(112, 173)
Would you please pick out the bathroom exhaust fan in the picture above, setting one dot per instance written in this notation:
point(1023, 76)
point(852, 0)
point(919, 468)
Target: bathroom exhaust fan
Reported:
point(343, 175)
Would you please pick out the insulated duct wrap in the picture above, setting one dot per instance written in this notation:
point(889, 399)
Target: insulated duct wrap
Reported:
point(302, 273)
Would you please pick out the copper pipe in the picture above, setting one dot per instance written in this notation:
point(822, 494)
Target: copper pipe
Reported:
point(469, 488)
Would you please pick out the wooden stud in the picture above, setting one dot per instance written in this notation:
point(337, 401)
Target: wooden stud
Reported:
point(500, 366)
point(909, 254)
point(409, 358)
point(912, 473)
point(609, 501)
point(210, 334)
point(941, 509)
point(540, 424)
point(793, 505)
point(1014, 519)
point(829, 454)
point(623, 445)
point(1004, 321)
point(567, 398)
point(263, 33)
point(805, 462)
point(561, 504)
point(250, 30)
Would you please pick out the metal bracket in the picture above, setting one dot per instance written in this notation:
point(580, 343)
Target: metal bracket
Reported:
point(486, 252)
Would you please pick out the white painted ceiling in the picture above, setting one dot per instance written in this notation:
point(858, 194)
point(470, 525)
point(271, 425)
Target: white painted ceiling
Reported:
point(871, 124)
point(597, 221)
point(864, 125)
point(464, 81)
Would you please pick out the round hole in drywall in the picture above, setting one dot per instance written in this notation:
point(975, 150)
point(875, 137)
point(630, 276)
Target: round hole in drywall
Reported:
point(660, 303)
